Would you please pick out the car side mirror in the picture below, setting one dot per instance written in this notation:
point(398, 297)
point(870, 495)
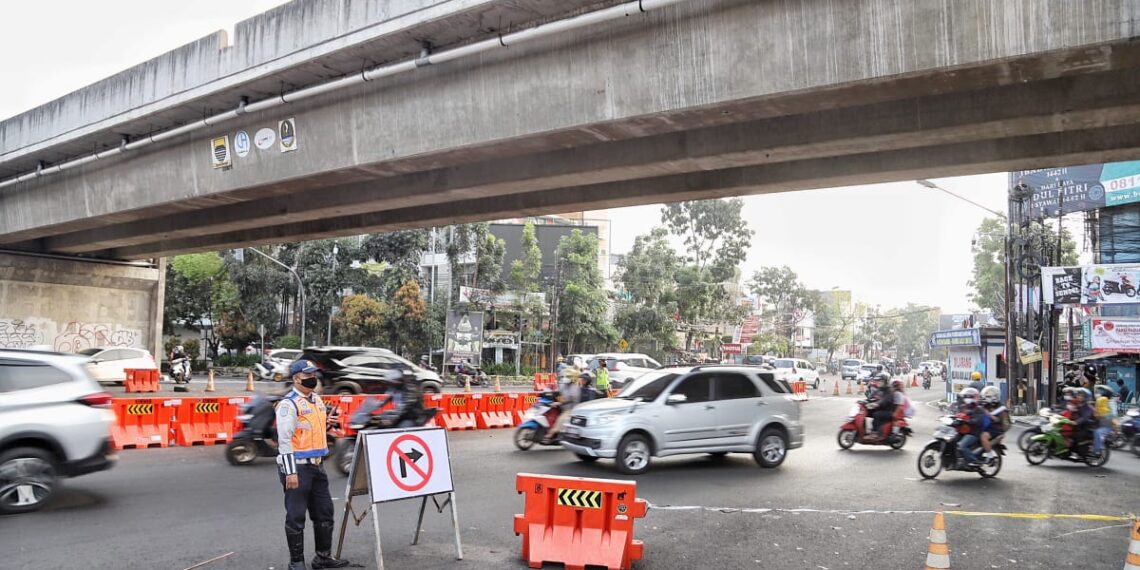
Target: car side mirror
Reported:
point(96, 361)
point(675, 399)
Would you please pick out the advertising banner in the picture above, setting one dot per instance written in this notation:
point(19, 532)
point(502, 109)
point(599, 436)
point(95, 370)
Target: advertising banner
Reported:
point(964, 361)
point(1028, 351)
point(465, 337)
point(1079, 188)
point(1104, 284)
point(1115, 335)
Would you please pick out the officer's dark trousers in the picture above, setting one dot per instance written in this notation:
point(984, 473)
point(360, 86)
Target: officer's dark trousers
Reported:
point(312, 495)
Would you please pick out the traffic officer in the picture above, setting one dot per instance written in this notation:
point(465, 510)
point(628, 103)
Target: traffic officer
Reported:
point(603, 378)
point(301, 427)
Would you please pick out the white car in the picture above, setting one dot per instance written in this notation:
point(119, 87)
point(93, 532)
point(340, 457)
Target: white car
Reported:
point(110, 364)
point(284, 356)
point(54, 422)
point(797, 370)
point(624, 367)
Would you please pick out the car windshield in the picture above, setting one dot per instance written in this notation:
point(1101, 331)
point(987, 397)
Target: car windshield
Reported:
point(648, 386)
point(851, 363)
point(785, 363)
point(90, 351)
point(870, 368)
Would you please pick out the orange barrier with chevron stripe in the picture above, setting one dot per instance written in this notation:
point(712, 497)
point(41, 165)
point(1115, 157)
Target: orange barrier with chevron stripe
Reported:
point(141, 422)
point(457, 412)
point(206, 421)
point(492, 412)
point(141, 380)
point(545, 381)
point(523, 402)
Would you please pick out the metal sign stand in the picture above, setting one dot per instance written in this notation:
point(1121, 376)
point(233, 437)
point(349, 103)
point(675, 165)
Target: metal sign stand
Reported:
point(359, 483)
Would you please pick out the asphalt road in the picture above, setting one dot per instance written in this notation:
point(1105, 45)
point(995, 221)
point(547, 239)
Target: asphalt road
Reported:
point(823, 509)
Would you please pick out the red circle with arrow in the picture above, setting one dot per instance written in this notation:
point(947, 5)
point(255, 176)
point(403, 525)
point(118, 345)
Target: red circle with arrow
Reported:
point(410, 470)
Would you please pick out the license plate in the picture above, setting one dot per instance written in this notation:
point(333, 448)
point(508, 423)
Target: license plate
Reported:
point(571, 430)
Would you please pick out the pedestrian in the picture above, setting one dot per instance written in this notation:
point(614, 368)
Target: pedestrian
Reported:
point(301, 429)
point(603, 375)
point(1125, 394)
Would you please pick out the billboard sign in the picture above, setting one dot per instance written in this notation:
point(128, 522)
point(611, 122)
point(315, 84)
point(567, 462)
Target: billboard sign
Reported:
point(1115, 335)
point(465, 337)
point(1080, 188)
point(956, 337)
point(1103, 284)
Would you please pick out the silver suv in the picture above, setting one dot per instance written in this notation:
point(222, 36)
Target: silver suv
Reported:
point(55, 421)
point(680, 410)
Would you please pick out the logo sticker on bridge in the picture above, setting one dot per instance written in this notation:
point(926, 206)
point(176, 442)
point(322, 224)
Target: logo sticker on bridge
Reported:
point(287, 134)
point(579, 498)
point(241, 143)
point(264, 138)
point(220, 152)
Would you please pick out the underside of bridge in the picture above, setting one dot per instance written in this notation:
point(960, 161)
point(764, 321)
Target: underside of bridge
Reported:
point(705, 99)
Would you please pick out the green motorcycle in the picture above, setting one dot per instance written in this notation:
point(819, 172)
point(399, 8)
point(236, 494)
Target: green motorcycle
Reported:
point(1050, 443)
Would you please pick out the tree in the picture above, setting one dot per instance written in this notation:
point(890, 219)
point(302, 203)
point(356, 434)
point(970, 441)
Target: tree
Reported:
point(832, 327)
point(526, 270)
point(788, 298)
point(647, 278)
point(916, 324)
point(988, 279)
point(400, 252)
point(405, 320)
point(361, 320)
point(460, 243)
point(327, 269)
point(200, 292)
point(715, 234)
point(489, 252)
point(582, 303)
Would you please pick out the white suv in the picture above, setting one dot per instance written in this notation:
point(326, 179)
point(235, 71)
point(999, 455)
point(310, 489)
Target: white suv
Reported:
point(624, 366)
point(682, 410)
point(797, 370)
point(54, 422)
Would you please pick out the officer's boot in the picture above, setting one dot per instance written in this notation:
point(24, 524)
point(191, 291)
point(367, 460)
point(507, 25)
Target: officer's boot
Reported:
point(323, 537)
point(296, 549)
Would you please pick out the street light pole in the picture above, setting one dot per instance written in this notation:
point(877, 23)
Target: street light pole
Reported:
point(933, 186)
point(300, 286)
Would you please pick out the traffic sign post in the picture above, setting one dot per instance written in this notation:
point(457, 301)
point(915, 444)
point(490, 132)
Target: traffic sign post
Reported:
point(397, 464)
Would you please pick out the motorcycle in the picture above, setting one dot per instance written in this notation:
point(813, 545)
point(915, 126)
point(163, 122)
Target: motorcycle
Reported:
point(926, 380)
point(1039, 422)
point(943, 453)
point(855, 430)
point(478, 378)
point(1050, 443)
point(1130, 429)
point(257, 436)
point(270, 371)
point(1117, 287)
point(180, 370)
point(537, 421)
point(365, 417)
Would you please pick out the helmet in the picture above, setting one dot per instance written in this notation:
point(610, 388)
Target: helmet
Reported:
point(897, 384)
point(178, 348)
point(991, 394)
point(561, 359)
point(587, 376)
point(975, 375)
point(1083, 393)
point(968, 395)
point(1090, 370)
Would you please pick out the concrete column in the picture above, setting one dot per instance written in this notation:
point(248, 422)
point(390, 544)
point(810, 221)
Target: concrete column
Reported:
point(68, 304)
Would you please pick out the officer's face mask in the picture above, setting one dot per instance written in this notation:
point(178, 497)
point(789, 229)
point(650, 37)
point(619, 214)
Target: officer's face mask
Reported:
point(309, 382)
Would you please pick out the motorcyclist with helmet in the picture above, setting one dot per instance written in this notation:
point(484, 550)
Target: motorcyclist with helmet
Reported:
point(574, 393)
point(1082, 415)
point(1105, 412)
point(404, 393)
point(976, 381)
point(974, 416)
point(998, 420)
point(881, 403)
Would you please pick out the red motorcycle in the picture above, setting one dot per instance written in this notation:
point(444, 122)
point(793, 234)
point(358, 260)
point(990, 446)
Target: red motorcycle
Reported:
point(855, 430)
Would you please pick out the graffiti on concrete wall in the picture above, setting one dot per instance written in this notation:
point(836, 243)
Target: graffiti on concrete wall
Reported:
point(15, 333)
point(77, 336)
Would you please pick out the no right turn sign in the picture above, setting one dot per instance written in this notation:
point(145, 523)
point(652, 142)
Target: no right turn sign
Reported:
point(406, 464)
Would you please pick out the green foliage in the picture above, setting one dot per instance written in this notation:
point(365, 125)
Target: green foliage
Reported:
point(832, 326)
point(405, 320)
point(507, 369)
point(288, 341)
point(582, 303)
point(489, 252)
point(715, 234)
point(647, 275)
point(768, 344)
point(526, 270)
point(788, 301)
point(399, 254)
point(988, 247)
point(360, 321)
point(191, 346)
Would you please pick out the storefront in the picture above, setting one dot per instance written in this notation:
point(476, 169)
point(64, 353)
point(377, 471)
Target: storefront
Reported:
point(971, 350)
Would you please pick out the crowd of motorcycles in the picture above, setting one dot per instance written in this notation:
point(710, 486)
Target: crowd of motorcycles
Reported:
point(1042, 441)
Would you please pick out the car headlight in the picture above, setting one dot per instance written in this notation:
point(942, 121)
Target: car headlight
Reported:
point(603, 420)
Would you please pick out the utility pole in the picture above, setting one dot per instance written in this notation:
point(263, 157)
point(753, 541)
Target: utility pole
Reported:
point(554, 312)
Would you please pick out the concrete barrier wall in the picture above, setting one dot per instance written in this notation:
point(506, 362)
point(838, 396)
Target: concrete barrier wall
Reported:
point(70, 305)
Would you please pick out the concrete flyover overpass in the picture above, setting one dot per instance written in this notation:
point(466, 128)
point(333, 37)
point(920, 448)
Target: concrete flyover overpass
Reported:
point(345, 116)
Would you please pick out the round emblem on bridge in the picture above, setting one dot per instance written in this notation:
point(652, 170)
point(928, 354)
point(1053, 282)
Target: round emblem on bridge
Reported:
point(264, 138)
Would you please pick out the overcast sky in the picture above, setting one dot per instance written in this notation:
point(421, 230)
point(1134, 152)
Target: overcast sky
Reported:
point(890, 243)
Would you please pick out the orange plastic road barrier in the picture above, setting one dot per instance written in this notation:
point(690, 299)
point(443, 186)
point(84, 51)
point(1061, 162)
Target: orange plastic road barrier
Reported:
point(1132, 562)
point(523, 402)
point(435, 401)
point(205, 421)
point(491, 411)
point(345, 406)
point(578, 521)
point(544, 381)
point(457, 414)
point(141, 422)
point(938, 553)
point(141, 380)
point(799, 390)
